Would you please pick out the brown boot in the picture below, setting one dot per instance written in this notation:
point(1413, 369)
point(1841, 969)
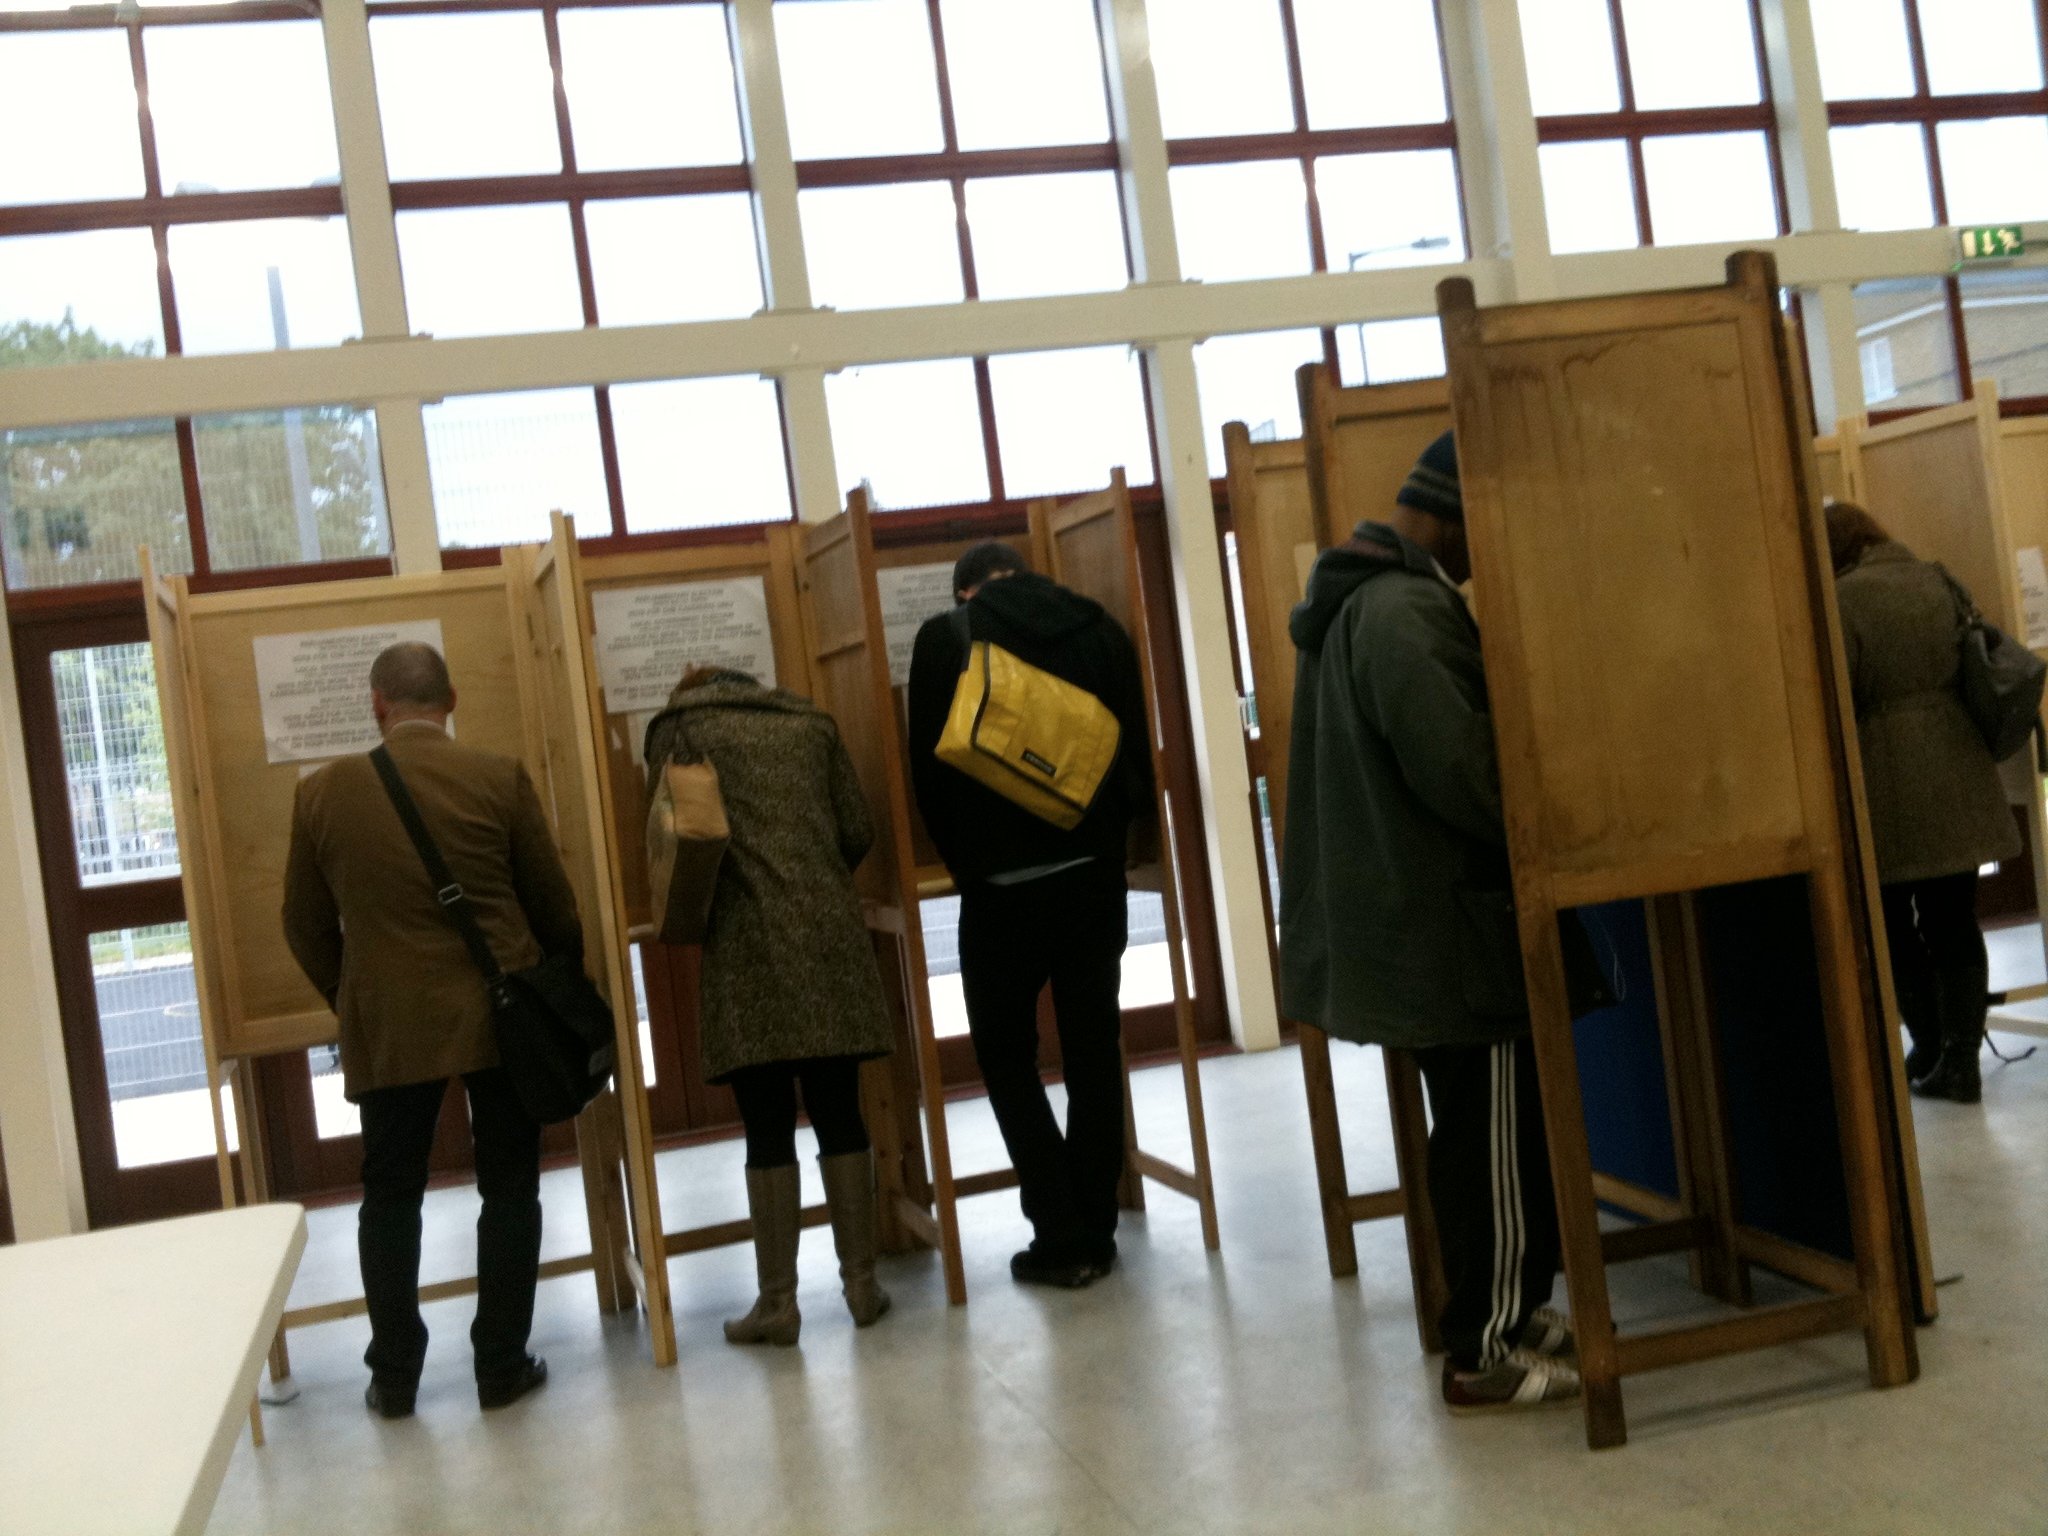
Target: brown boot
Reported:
point(774, 1201)
point(850, 1192)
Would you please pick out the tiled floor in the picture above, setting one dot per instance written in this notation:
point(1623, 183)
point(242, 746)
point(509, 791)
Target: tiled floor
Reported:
point(1188, 1394)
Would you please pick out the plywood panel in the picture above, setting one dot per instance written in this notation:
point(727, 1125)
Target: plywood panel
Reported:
point(1660, 731)
point(1927, 480)
point(2023, 466)
point(248, 799)
point(1834, 475)
point(1362, 442)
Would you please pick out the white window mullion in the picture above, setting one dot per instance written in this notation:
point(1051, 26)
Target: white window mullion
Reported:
point(785, 273)
point(380, 285)
point(1205, 629)
point(1498, 159)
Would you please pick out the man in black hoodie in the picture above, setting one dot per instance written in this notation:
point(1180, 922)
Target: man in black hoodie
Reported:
point(1039, 904)
point(1397, 922)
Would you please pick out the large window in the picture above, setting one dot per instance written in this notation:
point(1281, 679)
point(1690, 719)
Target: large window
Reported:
point(150, 220)
point(1938, 115)
point(1654, 120)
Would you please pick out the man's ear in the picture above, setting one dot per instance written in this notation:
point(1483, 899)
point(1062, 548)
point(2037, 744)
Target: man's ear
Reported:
point(451, 701)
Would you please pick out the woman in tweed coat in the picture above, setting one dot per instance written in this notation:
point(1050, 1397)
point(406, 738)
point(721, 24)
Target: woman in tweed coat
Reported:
point(1937, 809)
point(791, 994)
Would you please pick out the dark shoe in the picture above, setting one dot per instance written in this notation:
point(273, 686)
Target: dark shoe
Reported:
point(1549, 1332)
point(1035, 1266)
point(1103, 1258)
point(1921, 1060)
point(1954, 1078)
point(1524, 1380)
point(504, 1393)
point(390, 1399)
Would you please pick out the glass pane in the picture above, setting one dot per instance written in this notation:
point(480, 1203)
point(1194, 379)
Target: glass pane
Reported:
point(1570, 46)
point(466, 95)
point(490, 271)
point(1148, 964)
point(858, 77)
point(1038, 235)
point(650, 86)
point(647, 1062)
point(84, 102)
point(1699, 54)
point(1251, 379)
point(1710, 186)
point(78, 500)
point(1589, 196)
point(1238, 221)
point(291, 487)
point(1982, 46)
point(1881, 176)
point(1996, 170)
point(1390, 351)
point(148, 1007)
point(1064, 420)
point(266, 284)
point(911, 430)
point(1366, 66)
point(1395, 210)
point(501, 463)
point(2005, 319)
point(73, 298)
point(695, 453)
point(662, 259)
point(114, 763)
point(882, 247)
point(209, 85)
point(333, 1115)
point(940, 920)
point(1024, 75)
point(1221, 67)
point(1907, 348)
point(1864, 51)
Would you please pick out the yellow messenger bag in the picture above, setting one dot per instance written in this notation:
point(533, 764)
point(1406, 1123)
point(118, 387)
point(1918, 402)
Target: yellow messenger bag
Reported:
point(1035, 739)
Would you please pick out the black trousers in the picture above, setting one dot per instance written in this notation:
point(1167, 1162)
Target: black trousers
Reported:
point(1939, 968)
point(398, 1133)
point(1489, 1178)
point(1068, 930)
point(767, 1095)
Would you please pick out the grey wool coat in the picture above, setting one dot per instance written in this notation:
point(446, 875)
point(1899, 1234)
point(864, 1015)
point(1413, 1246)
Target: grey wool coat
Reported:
point(1936, 804)
point(789, 973)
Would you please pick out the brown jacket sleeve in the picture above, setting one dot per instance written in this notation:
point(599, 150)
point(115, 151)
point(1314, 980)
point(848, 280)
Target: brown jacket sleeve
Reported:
point(312, 919)
point(537, 875)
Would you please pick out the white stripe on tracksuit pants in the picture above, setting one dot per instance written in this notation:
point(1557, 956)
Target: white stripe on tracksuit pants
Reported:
point(1489, 1179)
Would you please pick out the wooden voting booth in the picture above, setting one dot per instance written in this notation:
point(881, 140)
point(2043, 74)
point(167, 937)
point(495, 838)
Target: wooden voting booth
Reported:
point(1289, 500)
point(1937, 481)
point(234, 775)
point(1697, 751)
point(842, 582)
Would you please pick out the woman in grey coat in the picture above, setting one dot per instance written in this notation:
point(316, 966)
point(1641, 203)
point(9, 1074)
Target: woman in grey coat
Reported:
point(1937, 809)
point(790, 993)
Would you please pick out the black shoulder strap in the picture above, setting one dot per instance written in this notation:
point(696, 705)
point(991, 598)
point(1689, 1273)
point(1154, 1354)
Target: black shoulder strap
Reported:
point(447, 890)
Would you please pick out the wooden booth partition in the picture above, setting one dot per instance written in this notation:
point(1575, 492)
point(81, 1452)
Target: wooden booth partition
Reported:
point(642, 626)
point(1652, 444)
point(232, 786)
point(1289, 500)
point(1090, 545)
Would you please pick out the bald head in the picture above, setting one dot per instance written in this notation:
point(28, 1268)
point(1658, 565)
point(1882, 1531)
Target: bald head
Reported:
point(409, 681)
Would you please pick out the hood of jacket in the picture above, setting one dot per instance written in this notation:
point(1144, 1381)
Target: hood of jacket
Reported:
point(1373, 550)
point(1035, 605)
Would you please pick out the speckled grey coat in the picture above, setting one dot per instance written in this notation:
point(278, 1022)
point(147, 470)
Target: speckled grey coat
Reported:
point(1936, 804)
point(789, 972)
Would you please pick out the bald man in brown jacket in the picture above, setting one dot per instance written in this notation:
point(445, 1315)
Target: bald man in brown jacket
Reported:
point(361, 917)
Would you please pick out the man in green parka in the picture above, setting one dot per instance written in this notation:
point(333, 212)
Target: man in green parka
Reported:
point(1397, 925)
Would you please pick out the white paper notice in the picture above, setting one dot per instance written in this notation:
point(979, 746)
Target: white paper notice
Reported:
point(910, 595)
point(648, 637)
point(2034, 597)
point(316, 688)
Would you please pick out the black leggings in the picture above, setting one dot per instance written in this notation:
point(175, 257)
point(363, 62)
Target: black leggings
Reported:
point(1939, 968)
point(767, 1095)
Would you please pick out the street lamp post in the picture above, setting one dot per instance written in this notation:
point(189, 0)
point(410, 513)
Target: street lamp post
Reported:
point(1426, 243)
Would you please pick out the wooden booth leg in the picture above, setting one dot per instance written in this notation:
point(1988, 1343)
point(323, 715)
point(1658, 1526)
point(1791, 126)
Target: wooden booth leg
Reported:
point(941, 1225)
point(1418, 1211)
point(603, 1205)
point(889, 1089)
point(1333, 1184)
point(1130, 1186)
point(256, 1177)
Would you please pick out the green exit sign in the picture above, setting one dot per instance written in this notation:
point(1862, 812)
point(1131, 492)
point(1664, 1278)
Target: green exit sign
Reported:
point(1992, 242)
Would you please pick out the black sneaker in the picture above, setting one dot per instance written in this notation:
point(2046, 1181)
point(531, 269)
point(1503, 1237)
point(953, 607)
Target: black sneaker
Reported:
point(505, 1391)
point(1954, 1078)
point(390, 1399)
point(1035, 1266)
point(1102, 1258)
point(1524, 1379)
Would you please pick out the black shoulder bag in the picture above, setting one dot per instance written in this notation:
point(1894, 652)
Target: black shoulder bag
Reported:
point(556, 1036)
point(2001, 680)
